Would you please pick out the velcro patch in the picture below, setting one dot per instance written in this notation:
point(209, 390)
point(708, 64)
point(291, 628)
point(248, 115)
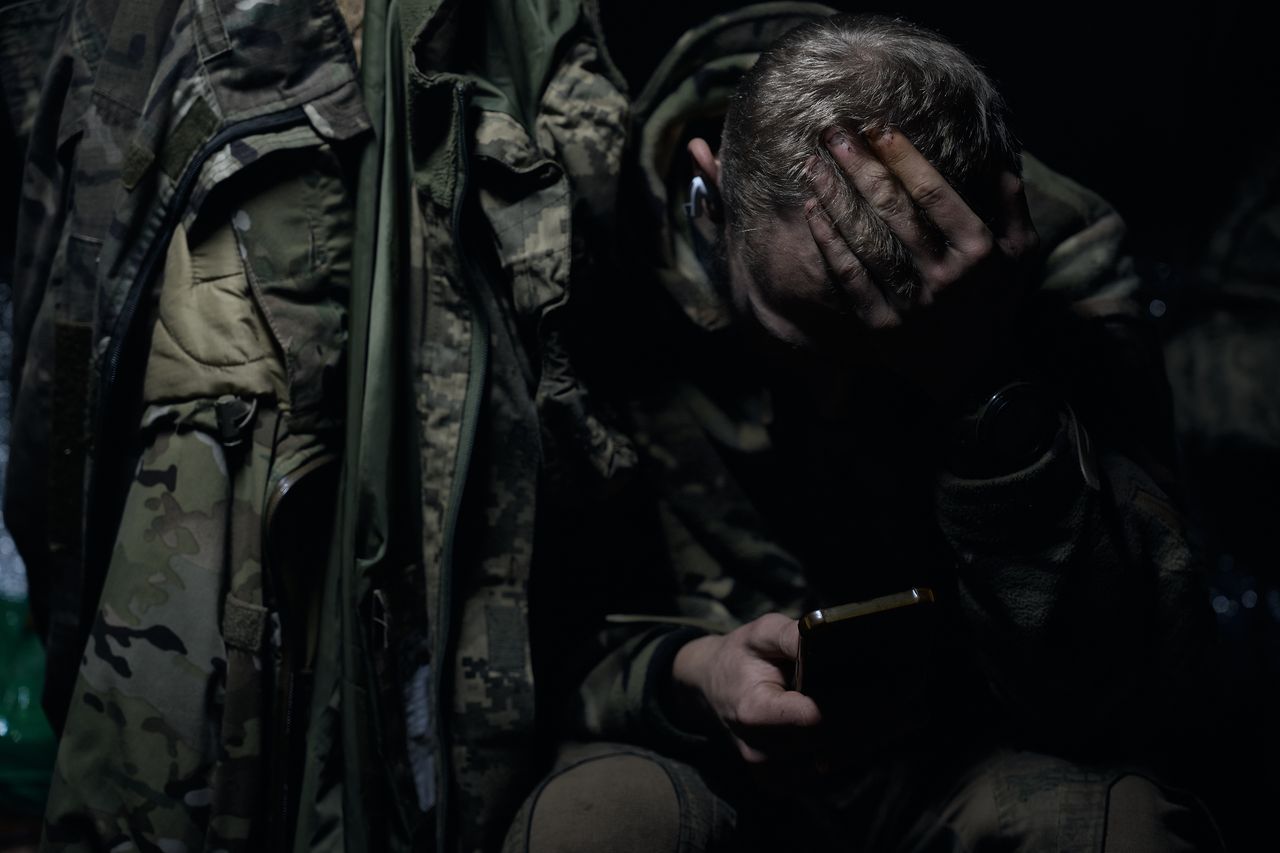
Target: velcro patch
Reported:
point(192, 131)
point(244, 625)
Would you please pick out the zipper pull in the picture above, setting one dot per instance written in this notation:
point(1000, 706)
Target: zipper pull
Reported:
point(235, 416)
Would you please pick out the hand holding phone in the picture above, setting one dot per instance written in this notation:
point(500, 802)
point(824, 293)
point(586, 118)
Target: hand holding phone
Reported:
point(741, 679)
point(868, 665)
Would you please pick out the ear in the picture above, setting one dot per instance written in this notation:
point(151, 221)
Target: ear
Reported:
point(704, 162)
point(707, 167)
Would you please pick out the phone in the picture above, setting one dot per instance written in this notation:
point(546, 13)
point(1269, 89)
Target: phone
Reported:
point(871, 660)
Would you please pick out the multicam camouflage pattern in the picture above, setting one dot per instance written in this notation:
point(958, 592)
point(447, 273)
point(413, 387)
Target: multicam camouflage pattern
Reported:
point(133, 95)
point(163, 743)
point(170, 147)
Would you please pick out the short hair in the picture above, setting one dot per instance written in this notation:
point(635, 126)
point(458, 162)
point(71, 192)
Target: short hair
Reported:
point(861, 73)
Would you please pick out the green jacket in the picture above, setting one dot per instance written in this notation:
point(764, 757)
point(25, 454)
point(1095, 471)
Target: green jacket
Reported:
point(146, 108)
point(467, 415)
point(181, 285)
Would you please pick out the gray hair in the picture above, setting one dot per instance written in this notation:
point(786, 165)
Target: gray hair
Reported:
point(859, 73)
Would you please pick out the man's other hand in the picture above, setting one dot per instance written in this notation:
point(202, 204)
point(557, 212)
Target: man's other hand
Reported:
point(742, 679)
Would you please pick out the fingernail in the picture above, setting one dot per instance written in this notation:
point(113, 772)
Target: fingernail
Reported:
point(880, 136)
point(836, 139)
point(810, 206)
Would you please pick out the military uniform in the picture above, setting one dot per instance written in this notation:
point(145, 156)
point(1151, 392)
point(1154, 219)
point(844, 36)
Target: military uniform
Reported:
point(1080, 611)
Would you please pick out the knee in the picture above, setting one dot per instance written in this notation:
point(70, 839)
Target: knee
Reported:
point(1143, 816)
point(617, 802)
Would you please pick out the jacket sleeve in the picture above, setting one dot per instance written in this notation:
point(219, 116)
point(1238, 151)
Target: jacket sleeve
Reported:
point(1084, 600)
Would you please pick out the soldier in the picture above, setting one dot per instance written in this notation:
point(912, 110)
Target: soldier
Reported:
point(899, 361)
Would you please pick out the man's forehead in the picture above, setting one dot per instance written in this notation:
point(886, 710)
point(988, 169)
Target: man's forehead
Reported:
point(784, 240)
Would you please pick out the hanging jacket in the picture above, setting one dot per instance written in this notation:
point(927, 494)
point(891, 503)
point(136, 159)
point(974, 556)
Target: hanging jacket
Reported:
point(180, 299)
point(501, 130)
point(146, 108)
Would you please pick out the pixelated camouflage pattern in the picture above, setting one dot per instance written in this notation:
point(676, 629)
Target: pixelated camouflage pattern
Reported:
point(133, 93)
point(518, 191)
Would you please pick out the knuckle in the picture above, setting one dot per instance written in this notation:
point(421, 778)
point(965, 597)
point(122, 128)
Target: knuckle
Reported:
point(887, 202)
point(941, 274)
point(886, 321)
point(848, 269)
point(929, 193)
point(981, 244)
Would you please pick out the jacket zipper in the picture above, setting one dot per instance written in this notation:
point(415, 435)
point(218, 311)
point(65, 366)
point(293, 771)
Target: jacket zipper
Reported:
point(99, 546)
point(477, 377)
point(239, 130)
point(298, 628)
point(99, 550)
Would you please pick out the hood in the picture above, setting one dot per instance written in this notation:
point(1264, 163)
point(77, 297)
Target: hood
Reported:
point(688, 96)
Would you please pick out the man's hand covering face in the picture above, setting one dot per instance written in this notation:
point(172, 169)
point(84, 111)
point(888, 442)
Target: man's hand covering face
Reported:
point(966, 272)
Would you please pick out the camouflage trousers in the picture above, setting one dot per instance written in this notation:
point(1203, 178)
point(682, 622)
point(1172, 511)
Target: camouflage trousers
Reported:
point(610, 797)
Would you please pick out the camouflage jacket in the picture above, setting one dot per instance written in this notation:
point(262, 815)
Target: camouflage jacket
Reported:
point(190, 312)
point(145, 109)
point(1080, 603)
point(516, 156)
point(180, 299)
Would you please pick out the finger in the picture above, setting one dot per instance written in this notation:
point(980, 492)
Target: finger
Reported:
point(778, 747)
point(780, 708)
point(962, 230)
point(849, 223)
point(870, 304)
point(749, 753)
point(769, 705)
point(768, 636)
point(886, 194)
point(1015, 232)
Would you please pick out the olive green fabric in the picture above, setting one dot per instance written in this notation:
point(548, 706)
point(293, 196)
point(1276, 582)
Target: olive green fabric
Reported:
point(612, 797)
point(180, 731)
point(144, 112)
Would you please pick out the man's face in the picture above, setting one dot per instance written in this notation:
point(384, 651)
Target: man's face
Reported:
point(788, 290)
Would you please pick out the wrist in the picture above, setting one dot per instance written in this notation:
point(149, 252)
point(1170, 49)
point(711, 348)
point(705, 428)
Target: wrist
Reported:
point(690, 663)
point(687, 698)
